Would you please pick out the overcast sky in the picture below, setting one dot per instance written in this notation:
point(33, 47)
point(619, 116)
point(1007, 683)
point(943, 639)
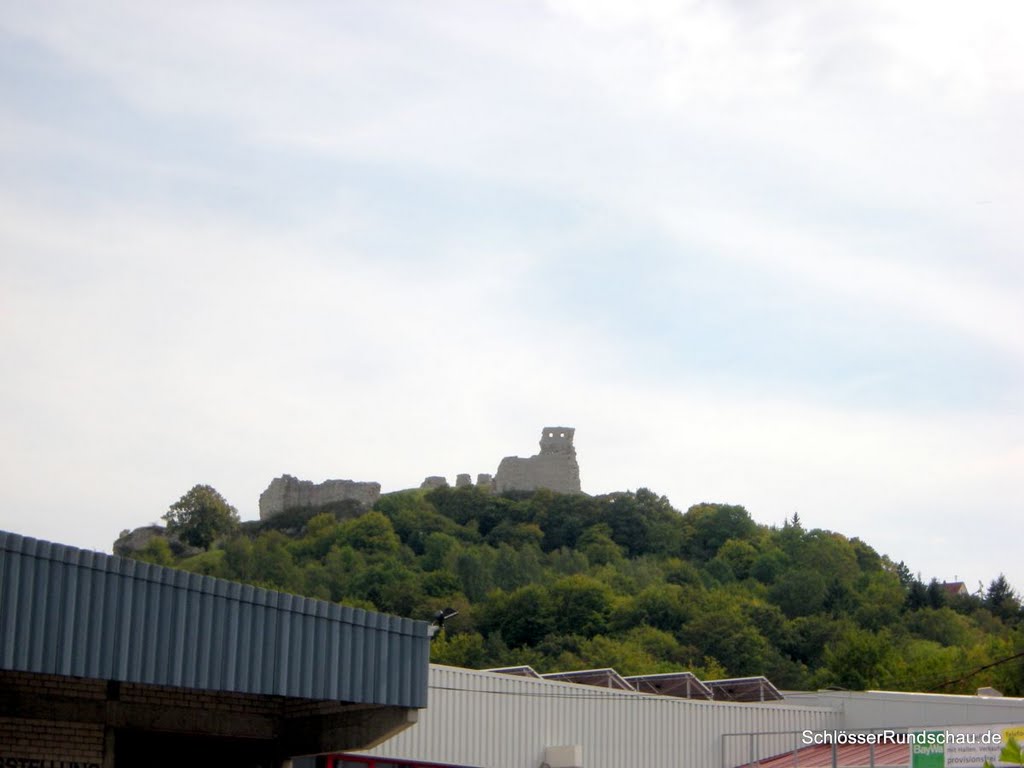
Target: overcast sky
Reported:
point(763, 253)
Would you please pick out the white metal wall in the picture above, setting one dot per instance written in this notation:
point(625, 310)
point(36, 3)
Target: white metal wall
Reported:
point(891, 709)
point(500, 721)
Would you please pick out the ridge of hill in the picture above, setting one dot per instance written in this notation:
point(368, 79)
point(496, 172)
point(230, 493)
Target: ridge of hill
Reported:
point(568, 581)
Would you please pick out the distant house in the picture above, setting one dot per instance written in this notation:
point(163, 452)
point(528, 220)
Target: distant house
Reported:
point(954, 588)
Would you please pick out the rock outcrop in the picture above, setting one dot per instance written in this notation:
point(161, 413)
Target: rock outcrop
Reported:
point(137, 539)
point(287, 493)
point(130, 543)
point(554, 468)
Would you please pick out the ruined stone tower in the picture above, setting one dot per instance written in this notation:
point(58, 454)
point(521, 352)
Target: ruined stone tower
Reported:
point(554, 467)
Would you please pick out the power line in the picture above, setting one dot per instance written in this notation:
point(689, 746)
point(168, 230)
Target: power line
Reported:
point(931, 683)
point(971, 674)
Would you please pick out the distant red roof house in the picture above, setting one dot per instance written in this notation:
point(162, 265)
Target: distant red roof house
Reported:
point(954, 588)
point(820, 756)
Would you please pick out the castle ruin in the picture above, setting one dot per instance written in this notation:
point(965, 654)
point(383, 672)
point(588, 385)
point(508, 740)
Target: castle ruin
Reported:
point(554, 468)
point(288, 493)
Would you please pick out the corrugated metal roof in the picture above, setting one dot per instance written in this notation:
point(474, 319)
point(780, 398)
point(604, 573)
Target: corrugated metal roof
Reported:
point(744, 689)
point(524, 670)
point(847, 756)
point(69, 611)
point(606, 677)
point(683, 685)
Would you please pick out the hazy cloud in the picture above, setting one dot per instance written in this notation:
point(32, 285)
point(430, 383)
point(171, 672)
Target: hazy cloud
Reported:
point(759, 254)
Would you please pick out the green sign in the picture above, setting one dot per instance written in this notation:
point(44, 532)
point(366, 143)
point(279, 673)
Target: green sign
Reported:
point(928, 751)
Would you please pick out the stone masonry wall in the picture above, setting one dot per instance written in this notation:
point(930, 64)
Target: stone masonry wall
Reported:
point(287, 493)
point(554, 467)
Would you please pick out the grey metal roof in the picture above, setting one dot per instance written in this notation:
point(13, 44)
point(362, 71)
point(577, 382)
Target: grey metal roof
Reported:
point(682, 685)
point(744, 689)
point(68, 611)
point(606, 677)
point(521, 671)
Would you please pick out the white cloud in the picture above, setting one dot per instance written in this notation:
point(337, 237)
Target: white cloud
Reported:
point(956, 297)
point(866, 153)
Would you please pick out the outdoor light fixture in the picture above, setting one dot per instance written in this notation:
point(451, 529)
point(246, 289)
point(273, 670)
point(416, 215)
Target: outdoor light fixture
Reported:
point(439, 619)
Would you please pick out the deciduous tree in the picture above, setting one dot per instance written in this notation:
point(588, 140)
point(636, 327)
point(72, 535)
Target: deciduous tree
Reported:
point(200, 516)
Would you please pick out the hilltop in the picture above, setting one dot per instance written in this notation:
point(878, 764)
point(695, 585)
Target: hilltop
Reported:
point(563, 581)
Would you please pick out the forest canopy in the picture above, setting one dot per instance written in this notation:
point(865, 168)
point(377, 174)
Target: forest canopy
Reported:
point(626, 581)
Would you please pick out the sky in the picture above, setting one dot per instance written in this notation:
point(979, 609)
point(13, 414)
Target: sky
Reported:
point(765, 254)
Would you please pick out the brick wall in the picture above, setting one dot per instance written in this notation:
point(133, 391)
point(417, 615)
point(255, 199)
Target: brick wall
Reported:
point(53, 721)
point(47, 744)
point(208, 701)
point(42, 743)
point(54, 685)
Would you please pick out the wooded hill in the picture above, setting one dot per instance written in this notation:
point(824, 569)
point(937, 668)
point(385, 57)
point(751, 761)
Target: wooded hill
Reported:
point(570, 582)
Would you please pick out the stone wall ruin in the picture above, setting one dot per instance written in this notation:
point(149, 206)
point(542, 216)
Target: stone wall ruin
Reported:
point(287, 493)
point(554, 468)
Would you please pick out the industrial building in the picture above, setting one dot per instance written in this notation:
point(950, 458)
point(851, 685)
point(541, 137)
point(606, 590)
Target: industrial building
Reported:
point(110, 662)
point(511, 719)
